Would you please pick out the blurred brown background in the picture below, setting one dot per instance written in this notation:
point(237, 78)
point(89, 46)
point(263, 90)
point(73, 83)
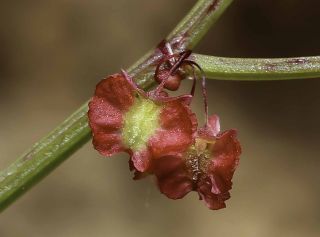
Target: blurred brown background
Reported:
point(53, 53)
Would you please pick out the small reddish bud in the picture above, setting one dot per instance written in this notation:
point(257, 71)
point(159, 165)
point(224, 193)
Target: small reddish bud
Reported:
point(172, 81)
point(169, 69)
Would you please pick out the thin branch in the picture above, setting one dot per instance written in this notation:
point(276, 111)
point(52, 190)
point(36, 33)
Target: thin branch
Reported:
point(258, 69)
point(186, 35)
point(48, 153)
point(197, 23)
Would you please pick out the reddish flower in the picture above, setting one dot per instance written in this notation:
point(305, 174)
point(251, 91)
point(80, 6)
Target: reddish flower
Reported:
point(159, 132)
point(145, 125)
point(206, 167)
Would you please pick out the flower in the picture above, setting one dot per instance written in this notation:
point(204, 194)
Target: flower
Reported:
point(206, 167)
point(124, 118)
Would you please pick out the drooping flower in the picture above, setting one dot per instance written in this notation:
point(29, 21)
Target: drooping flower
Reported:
point(124, 118)
point(159, 132)
point(206, 167)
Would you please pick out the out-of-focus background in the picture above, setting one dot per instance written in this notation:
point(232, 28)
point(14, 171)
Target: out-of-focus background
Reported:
point(53, 53)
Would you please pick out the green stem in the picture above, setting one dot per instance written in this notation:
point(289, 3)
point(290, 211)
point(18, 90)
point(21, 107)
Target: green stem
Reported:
point(52, 150)
point(186, 35)
point(196, 24)
point(44, 156)
point(258, 69)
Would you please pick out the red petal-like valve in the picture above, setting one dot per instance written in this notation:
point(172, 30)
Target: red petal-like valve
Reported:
point(177, 127)
point(173, 180)
point(113, 96)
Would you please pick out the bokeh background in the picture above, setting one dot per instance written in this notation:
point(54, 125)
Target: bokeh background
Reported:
point(52, 54)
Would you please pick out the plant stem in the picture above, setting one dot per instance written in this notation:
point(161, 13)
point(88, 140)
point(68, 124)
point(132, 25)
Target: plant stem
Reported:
point(43, 157)
point(52, 150)
point(258, 69)
point(186, 35)
point(196, 24)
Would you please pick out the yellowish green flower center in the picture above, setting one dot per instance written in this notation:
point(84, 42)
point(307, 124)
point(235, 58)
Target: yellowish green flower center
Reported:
point(140, 123)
